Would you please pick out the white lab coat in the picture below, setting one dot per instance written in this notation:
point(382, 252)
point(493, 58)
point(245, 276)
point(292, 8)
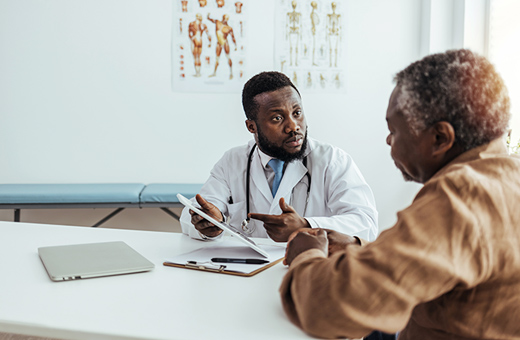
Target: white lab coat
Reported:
point(339, 197)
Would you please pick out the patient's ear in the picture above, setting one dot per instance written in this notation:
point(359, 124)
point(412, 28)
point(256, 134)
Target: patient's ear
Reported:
point(444, 135)
point(251, 126)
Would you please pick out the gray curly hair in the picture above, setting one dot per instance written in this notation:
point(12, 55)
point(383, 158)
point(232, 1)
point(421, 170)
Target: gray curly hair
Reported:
point(459, 87)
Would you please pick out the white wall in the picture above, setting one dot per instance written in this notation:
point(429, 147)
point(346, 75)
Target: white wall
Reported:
point(85, 96)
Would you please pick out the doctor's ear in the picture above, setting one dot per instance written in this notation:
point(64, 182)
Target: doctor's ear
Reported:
point(251, 126)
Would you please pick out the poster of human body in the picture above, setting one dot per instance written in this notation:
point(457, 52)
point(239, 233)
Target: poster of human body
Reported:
point(310, 44)
point(208, 45)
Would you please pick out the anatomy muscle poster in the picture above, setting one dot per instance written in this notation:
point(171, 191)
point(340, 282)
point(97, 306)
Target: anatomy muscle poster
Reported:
point(208, 45)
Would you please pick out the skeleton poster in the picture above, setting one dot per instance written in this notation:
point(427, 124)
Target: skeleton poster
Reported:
point(208, 45)
point(310, 44)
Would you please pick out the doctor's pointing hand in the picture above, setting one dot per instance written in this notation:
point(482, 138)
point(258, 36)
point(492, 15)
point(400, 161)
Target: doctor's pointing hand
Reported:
point(279, 227)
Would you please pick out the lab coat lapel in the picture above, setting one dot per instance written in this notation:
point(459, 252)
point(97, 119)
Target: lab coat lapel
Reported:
point(293, 174)
point(258, 177)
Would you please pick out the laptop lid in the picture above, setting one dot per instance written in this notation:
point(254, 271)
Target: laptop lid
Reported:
point(81, 261)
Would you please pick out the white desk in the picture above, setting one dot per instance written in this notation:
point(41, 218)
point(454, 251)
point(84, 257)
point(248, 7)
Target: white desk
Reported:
point(166, 303)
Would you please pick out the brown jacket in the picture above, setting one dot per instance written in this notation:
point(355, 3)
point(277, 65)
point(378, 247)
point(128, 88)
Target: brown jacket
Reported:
point(448, 269)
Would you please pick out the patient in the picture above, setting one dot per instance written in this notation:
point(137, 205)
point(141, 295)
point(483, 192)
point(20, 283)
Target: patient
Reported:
point(450, 267)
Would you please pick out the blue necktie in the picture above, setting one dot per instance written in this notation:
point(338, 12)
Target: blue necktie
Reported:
point(277, 166)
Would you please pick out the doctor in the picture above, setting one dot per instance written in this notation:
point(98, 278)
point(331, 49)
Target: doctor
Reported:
point(282, 180)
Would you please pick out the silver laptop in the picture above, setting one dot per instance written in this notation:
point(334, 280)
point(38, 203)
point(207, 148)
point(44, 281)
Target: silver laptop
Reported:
point(81, 261)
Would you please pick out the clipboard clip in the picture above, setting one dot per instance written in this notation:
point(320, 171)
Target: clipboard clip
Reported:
point(207, 266)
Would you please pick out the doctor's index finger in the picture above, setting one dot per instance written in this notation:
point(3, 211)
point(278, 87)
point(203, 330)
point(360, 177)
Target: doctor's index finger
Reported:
point(266, 218)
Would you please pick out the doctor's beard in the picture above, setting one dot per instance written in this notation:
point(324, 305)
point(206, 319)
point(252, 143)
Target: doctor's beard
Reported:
point(279, 152)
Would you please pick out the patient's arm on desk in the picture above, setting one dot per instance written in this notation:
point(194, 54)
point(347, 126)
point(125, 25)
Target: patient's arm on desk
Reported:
point(336, 242)
point(204, 226)
point(300, 242)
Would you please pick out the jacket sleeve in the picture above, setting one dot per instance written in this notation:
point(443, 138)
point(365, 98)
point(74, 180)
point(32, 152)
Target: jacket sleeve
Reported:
point(216, 190)
point(378, 285)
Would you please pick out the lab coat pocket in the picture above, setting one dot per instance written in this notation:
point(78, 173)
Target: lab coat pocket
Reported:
point(237, 213)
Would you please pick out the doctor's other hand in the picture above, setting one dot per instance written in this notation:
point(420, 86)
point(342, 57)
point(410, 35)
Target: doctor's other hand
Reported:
point(304, 240)
point(280, 227)
point(204, 226)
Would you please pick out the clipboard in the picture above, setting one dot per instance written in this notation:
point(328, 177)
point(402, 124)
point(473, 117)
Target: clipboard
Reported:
point(200, 259)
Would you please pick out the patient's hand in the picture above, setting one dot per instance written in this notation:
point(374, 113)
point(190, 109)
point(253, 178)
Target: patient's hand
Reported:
point(304, 240)
point(339, 241)
point(204, 226)
point(336, 241)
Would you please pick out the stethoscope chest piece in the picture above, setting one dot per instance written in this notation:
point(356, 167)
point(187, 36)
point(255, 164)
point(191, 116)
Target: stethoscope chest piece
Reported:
point(247, 227)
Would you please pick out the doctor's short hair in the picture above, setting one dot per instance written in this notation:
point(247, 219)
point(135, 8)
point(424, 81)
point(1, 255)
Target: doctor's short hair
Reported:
point(261, 83)
point(458, 87)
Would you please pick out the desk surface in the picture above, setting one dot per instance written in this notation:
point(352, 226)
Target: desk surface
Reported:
point(166, 303)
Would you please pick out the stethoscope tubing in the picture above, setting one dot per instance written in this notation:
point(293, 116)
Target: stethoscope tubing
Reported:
point(248, 181)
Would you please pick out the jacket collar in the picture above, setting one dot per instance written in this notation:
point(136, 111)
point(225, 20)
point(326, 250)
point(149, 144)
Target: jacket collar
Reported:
point(492, 149)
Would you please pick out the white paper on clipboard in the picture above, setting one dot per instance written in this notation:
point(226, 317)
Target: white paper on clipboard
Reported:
point(228, 249)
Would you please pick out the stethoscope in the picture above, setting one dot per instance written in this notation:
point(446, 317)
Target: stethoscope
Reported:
point(245, 222)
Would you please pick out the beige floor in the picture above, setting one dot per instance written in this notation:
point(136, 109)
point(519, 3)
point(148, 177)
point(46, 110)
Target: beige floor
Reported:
point(6, 336)
point(153, 219)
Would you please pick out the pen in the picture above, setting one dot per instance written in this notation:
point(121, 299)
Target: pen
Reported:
point(235, 260)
